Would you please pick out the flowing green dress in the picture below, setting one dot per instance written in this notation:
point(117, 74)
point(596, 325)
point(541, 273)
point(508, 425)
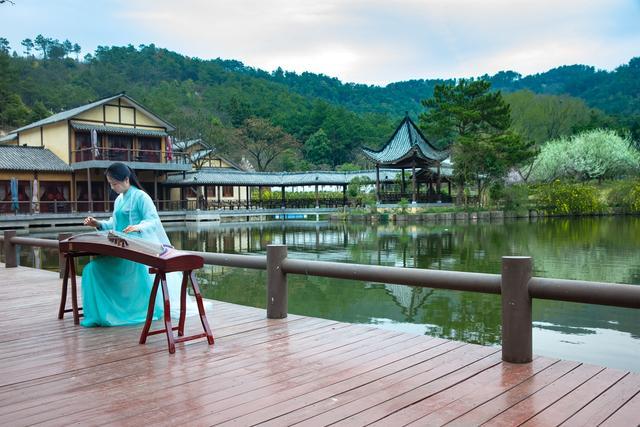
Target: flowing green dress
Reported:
point(116, 291)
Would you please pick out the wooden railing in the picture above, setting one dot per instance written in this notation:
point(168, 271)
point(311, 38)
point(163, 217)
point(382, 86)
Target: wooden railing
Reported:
point(129, 155)
point(515, 285)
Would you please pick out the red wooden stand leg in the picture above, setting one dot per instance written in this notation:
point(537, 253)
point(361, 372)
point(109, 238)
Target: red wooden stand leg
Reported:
point(152, 300)
point(167, 314)
point(74, 291)
point(65, 285)
point(183, 304)
point(161, 279)
point(69, 272)
point(203, 316)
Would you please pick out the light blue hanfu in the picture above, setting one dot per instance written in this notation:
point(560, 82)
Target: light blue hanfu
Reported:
point(116, 291)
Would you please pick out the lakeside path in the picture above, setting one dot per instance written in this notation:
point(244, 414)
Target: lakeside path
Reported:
point(278, 372)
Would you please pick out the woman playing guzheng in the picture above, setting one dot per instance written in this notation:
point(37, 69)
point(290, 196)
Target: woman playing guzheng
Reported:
point(116, 291)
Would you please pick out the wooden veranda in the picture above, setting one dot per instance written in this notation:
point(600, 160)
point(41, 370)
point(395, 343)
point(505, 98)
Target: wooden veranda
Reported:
point(279, 372)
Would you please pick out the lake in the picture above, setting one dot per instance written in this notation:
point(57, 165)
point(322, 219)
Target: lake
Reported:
point(597, 249)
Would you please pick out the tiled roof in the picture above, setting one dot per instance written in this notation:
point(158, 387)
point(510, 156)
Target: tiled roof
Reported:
point(407, 141)
point(228, 176)
point(183, 145)
point(69, 114)
point(118, 130)
point(30, 159)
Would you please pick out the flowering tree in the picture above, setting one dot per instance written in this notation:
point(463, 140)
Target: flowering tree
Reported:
point(594, 154)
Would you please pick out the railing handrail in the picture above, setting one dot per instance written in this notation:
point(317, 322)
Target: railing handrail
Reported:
point(582, 291)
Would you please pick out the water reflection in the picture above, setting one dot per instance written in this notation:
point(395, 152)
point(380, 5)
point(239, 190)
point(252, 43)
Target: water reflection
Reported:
point(597, 249)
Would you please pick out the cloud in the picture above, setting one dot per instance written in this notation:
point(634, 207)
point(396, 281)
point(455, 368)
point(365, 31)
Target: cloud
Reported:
point(366, 41)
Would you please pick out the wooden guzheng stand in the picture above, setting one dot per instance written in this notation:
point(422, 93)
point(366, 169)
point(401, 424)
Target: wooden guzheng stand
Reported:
point(160, 259)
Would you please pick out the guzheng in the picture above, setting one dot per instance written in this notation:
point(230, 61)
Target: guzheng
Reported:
point(161, 257)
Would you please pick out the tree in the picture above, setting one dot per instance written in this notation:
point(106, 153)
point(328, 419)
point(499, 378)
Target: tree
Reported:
point(67, 46)
point(42, 44)
point(28, 46)
point(4, 45)
point(317, 148)
point(264, 142)
point(77, 49)
point(594, 154)
point(475, 123)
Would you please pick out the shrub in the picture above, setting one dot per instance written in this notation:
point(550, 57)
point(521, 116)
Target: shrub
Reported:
point(625, 195)
point(593, 154)
point(514, 197)
point(560, 198)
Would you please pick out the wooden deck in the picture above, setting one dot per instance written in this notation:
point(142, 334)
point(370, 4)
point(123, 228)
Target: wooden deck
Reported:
point(299, 370)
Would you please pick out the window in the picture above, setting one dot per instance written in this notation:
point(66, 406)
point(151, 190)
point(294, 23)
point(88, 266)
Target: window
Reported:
point(120, 147)
point(148, 149)
point(83, 146)
point(227, 191)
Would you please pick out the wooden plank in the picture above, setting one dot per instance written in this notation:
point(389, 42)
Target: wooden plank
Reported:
point(608, 403)
point(451, 402)
point(496, 405)
point(627, 415)
point(576, 399)
point(282, 375)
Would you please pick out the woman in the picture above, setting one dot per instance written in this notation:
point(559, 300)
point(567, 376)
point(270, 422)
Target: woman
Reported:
point(116, 291)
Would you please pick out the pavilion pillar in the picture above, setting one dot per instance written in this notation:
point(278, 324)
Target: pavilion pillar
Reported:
point(414, 182)
point(317, 198)
point(344, 195)
point(283, 199)
point(218, 191)
point(438, 198)
point(260, 195)
point(247, 197)
point(206, 197)
point(73, 193)
point(377, 183)
point(89, 196)
point(403, 183)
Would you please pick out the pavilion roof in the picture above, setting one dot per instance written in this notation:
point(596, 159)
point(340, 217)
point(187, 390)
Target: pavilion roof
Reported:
point(228, 176)
point(406, 145)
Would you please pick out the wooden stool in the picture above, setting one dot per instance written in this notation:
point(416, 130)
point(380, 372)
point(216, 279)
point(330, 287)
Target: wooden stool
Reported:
point(161, 278)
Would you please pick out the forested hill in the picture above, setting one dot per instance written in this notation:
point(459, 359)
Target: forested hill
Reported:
point(326, 121)
point(615, 92)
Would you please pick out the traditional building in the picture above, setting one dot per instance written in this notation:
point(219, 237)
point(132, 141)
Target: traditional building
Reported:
point(409, 149)
point(26, 172)
point(87, 140)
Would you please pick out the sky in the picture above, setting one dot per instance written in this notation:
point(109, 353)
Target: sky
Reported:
point(361, 41)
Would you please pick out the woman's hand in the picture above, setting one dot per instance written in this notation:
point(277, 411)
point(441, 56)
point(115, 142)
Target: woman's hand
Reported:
point(132, 228)
point(91, 221)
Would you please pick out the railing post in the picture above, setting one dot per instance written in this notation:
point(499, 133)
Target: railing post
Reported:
point(10, 250)
point(276, 282)
point(61, 260)
point(516, 309)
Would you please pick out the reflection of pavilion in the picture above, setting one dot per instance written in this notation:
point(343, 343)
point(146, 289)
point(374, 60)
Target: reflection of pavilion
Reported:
point(408, 298)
